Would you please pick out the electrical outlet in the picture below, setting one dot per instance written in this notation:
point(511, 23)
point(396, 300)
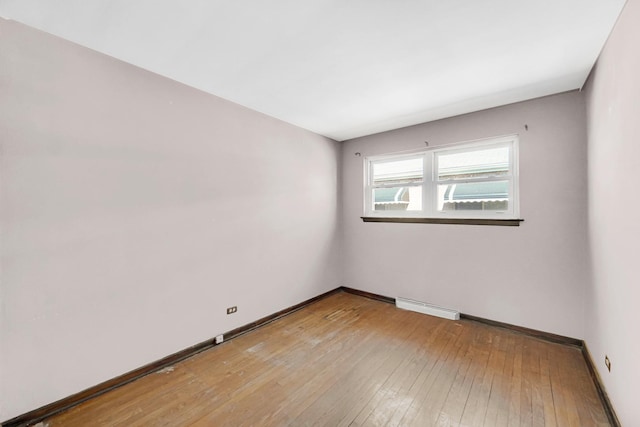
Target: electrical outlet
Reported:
point(219, 339)
point(232, 310)
point(607, 362)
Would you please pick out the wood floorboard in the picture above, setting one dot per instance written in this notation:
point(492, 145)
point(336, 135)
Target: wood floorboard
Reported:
point(546, 391)
point(347, 360)
point(486, 413)
point(478, 382)
point(378, 407)
point(474, 409)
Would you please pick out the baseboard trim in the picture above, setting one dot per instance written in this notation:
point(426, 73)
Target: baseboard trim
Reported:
point(44, 412)
point(69, 402)
point(602, 394)
point(546, 336)
point(369, 295)
point(37, 415)
point(234, 333)
point(560, 339)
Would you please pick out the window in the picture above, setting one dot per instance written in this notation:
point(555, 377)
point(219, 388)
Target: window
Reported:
point(470, 180)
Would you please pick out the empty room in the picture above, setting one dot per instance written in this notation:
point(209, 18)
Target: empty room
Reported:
point(357, 213)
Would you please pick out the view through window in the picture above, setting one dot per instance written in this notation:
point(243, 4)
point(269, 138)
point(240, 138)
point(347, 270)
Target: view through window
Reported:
point(469, 180)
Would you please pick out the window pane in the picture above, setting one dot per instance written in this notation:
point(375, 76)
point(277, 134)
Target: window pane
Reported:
point(398, 171)
point(397, 199)
point(477, 196)
point(476, 163)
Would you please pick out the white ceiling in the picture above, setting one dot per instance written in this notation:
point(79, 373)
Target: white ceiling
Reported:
point(345, 68)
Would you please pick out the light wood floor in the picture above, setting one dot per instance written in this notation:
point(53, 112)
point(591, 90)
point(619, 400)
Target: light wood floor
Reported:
point(351, 361)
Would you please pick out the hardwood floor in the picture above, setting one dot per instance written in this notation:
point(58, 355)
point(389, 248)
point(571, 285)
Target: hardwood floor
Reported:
point(351, 361)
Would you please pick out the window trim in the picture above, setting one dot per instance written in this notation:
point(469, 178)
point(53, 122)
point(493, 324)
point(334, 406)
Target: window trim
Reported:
point(430, 184)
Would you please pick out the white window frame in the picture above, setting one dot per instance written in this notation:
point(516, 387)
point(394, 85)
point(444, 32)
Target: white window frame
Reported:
point(430, 183)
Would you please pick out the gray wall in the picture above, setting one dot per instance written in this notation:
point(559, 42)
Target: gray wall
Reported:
point(134, 210)
point(534, 275)
point(613, 318)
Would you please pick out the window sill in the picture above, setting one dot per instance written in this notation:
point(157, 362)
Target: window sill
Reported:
point(461, 221)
